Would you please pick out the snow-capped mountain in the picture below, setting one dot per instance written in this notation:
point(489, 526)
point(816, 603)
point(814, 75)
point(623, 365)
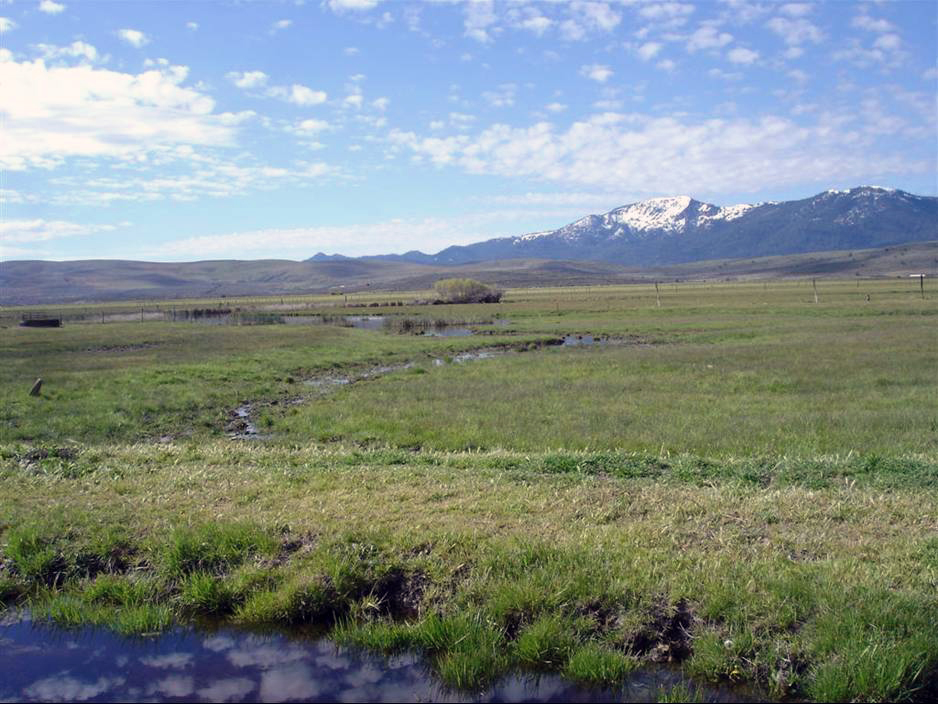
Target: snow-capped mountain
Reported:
point(681, 229)
point(653, 216)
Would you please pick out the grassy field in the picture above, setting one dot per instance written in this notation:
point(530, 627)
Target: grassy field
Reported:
point(740, 481)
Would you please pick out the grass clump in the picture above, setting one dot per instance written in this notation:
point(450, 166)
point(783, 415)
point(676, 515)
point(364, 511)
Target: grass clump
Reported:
point(678, 694)
point(546, 643)
point(35, 552)
point(883, 648)
point(213, 547)
point(47, 552)
point(146, 619)
point(383, 636)
point(465, 651)
point(595, 664)
point(203, 593)
point(303, 600)
point(113, 590)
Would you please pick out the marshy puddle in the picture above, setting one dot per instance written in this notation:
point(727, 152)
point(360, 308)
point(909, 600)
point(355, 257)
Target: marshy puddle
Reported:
point(363, 322)
point(90, 664)
point(240, 420)
point(583, 340)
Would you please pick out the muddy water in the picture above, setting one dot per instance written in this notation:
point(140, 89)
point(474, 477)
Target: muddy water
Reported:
point(42, 664)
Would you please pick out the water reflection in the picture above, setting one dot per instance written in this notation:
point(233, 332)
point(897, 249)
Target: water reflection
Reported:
point(582, 340)
point(42, 664)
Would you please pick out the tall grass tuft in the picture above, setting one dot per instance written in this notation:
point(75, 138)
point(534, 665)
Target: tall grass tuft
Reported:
point(212, 547)
point(592, 663)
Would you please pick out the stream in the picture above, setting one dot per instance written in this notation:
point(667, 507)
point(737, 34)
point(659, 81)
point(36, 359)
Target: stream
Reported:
point(41, 663)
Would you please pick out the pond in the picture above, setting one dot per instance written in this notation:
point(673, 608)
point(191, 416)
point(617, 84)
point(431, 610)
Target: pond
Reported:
point(90, 664)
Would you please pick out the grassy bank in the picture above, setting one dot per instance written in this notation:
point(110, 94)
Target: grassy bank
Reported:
point(809, 578)
point(743, 483)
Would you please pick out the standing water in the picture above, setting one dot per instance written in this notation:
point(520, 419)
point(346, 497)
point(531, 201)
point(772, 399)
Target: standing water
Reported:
point(90, 664)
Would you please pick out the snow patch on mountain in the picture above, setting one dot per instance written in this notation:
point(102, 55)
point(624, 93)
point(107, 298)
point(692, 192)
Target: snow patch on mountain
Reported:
point(534, 235)
point(653, 214)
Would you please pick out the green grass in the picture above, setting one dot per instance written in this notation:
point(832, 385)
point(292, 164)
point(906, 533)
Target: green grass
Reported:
point(213, 548)
point(747, 489)
point(824, 592)
point(596, 665)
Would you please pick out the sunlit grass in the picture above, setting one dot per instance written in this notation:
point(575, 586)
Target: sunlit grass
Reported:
point(746, 486)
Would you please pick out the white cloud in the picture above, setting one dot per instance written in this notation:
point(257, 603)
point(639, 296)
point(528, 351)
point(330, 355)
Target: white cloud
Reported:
point(312, 125)
point(886, 51)
point(930, 74)
point(461, 120)
point(56, 112)
point(352, 5)
point(353, 101)
point(708, 37)
point(75, 50)
point(169, 661)
point(666, 65)
point(192, 26)
point(741, 55)
point(582, 200)
point(426, 234)
point(280, 24)
point(598, 16)
point(39, 230)
point(555, 107)
point(381, 103)
point(538, 24)
point(10, 197)
point(669, 14)
point(64, 688)
point(596, 72)
point(247, 80)
point(653, 154)
point(744, 11)
point(872, 25)
point(796, 9)
point(528, 18)
point(479, 16)
point(298, 94)
point(795, 31)
point(888, 42)
point(572, 31)
point(649, 50)
point(50, 7)
point(227, 690)
point(502, 97)
point(188, 176)
point(724, 75)
point(6, 24)
point(134, 37)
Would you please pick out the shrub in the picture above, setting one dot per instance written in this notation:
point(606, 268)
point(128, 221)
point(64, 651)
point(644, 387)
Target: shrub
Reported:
point(466, 291)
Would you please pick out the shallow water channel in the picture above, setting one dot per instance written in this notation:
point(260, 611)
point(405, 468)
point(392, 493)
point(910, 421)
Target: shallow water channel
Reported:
point(91, 664)
point(242, 425)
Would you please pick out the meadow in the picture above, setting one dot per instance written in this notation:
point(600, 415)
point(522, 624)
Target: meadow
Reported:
point(736, 480)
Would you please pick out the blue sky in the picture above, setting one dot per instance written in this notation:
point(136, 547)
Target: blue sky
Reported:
point(218, 130)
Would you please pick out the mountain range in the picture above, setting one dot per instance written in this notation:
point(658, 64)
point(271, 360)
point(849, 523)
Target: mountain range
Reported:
point(680, 229)
point(862, 232)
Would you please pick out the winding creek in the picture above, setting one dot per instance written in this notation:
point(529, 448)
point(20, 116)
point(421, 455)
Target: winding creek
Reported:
point(242, 426)
point(228, 665)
